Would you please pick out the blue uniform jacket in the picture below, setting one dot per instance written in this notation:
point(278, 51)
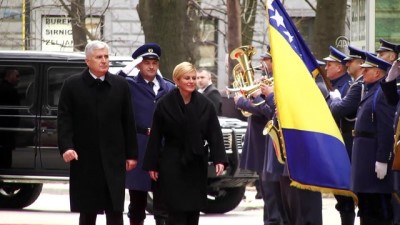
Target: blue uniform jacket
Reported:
point(374, 119)
point(253, 154)
point(344, 111)
point(392, 97)
point(144, 103)
point(258, 153)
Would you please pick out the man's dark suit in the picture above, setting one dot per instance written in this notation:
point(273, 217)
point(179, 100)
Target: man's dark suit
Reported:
point(212, 93)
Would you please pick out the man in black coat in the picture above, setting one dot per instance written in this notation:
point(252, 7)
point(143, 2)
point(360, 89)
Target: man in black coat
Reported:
point(208, 89)
point(97, 136)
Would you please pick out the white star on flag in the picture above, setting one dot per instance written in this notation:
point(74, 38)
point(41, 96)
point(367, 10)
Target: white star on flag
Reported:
point(269, 3)
point(279, 19)
point(287, 33)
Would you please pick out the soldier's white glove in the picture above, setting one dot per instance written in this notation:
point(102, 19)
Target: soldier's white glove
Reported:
point(380, 169)
point(394, 71)
point(131, 65)
point(335, 94)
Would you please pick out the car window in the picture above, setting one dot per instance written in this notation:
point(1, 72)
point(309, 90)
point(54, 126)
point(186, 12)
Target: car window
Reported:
point(55, 80)
point(16, 86)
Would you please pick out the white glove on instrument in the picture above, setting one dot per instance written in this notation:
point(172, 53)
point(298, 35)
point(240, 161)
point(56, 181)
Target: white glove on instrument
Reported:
point(131, 65)
point(380, 169)
point(335, 94)
point(394, 71)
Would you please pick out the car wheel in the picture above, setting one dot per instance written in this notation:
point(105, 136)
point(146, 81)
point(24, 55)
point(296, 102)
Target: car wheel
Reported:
point(18, 196)
point(224, 200)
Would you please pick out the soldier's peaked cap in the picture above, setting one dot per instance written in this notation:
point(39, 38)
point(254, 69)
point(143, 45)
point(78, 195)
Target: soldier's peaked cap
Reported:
point(266, 54)
point(387, 46)
point(148, 51)
point(373, 61)
point(355, 53)
point(335, 56)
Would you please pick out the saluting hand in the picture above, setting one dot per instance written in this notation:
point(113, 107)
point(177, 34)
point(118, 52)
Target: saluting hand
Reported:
point(70, 155)
point(394, 71)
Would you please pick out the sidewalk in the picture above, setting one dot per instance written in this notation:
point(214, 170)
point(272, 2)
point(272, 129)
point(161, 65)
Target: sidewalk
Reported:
point(249, 204)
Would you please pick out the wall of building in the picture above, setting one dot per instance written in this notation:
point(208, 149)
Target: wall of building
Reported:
point(121, 26)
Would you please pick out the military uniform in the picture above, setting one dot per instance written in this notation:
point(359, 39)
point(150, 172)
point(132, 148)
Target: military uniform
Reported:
point(255, 157)
point(373, 143)
point(393, 49)
point(390, 91)
point(144, 99)
point(343, 111)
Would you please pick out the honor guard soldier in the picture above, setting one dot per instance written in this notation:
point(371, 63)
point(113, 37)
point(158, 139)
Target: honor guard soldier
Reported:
point(146, 89)
point(389, 88)
point(344, 110)
point(254, 156)
point(371, 178)
point(336, 71)
point(388, 51)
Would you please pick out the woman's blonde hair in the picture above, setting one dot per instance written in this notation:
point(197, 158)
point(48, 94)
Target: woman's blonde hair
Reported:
point(181, 69)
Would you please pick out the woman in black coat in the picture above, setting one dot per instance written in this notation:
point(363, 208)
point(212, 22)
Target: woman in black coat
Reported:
point(176, 157)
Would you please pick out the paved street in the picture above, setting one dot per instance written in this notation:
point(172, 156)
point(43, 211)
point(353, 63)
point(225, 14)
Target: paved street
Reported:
point(52, 208)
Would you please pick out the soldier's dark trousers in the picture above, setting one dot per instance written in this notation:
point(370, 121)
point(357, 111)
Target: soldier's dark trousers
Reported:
point(375, 208)
point(373, 221)
point(274, 212)
point(345, 206)
point(302, 206)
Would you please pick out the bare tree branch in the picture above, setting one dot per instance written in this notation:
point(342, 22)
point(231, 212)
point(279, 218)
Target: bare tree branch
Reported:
point(311, 6)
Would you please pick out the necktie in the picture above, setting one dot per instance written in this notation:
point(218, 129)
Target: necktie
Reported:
point(151, 84)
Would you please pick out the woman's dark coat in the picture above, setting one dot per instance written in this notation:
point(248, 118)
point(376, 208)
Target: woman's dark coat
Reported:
point(95, 119)
point(144, 103)
point(182, 161)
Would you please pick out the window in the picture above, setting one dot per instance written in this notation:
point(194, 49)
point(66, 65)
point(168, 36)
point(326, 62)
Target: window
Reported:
point(17, 86)
point(208, 43)
point(56, 77)
point(387, 15)
point(357, 23)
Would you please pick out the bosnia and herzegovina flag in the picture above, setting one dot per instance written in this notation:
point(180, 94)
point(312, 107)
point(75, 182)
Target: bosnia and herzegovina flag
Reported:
point(315, 151)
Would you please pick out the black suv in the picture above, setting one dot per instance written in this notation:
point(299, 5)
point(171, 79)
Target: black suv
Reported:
point(29, 155)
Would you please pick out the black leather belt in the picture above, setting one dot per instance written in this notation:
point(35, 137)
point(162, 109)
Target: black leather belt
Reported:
point(142, 130)
point(357, 133)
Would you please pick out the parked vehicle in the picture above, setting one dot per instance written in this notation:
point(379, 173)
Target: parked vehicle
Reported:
point(35, 159)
